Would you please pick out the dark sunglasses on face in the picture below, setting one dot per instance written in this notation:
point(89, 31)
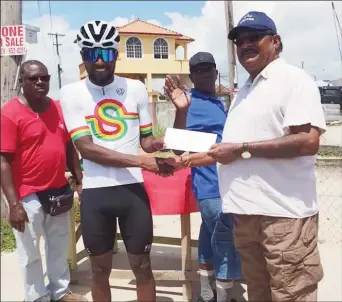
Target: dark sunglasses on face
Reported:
point(43, 78)
point(93, 54)
point(252, 37)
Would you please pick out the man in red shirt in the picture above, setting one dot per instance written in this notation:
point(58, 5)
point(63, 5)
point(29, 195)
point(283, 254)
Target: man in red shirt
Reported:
point(35, 148)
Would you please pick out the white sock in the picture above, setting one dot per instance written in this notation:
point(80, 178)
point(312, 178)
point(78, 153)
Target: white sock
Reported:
point(224, 291)
point(207, 280)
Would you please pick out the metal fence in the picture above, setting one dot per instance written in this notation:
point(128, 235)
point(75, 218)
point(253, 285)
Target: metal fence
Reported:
point(329, 191)
point(329, 184)
point(165, 113)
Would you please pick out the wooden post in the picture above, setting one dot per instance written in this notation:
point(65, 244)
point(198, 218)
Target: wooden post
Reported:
point(72, 240)
point(186, 254)
point(231, 49)
point(11, 14)
point(154, 112)
point(115, 246)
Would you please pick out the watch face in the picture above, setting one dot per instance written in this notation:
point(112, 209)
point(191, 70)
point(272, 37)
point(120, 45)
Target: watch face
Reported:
point(246, 154)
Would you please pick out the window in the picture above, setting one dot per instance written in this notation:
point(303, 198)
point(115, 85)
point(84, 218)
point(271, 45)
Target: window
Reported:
point(133, 48)
point(161, 49)
point(332, 92)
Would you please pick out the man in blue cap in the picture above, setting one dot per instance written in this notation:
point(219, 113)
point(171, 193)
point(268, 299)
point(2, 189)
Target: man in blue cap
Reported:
point(266, 167)
point(219, 263)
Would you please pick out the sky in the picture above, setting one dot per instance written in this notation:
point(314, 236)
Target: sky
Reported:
point(307, 30)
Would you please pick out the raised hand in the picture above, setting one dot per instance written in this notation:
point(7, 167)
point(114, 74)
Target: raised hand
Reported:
point(175, 92)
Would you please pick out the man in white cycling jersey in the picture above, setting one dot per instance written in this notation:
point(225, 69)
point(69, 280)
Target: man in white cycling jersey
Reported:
point(107, 117)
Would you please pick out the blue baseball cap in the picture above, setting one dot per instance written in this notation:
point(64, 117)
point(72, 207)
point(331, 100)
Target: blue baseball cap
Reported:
point(253, 21)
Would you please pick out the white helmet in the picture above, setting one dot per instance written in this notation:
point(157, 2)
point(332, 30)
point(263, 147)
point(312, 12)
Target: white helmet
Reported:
point(98, 34)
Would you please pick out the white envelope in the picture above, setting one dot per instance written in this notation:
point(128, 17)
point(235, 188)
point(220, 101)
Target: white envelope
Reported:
point(186, 140)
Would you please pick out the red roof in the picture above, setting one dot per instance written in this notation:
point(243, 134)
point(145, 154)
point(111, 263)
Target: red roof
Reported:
point(140, 27)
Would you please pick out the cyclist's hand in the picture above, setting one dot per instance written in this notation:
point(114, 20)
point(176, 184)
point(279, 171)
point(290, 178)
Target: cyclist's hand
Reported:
point(176, 162)
point(153, 165)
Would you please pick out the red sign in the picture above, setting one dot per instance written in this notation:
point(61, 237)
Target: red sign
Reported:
point(13, 40)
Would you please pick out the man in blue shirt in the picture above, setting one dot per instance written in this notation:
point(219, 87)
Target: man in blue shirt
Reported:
point(201, 111)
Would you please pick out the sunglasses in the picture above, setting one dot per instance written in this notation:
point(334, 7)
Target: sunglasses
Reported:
point(43, 78)
point(252, 37)
point(93, 54)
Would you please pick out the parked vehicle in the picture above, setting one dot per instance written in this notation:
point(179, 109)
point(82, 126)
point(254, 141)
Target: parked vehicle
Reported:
point(331, 95)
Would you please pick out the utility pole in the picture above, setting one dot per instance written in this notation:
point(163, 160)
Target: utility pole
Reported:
point(219, 76)
point(11, 14)
point(302, 64)
point(228, 5)
point(59, 69)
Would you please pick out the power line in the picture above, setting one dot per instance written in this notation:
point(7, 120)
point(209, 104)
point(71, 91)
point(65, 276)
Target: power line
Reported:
point(336, 18)
point(39, 10)
point(50, 16)
point(59, 69)
point(338, 21)
point(40, 17)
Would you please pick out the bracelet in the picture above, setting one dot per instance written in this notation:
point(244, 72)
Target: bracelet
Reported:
point(187, 161)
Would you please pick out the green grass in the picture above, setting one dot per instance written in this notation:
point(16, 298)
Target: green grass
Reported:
point(330, 151)
point(330, 154)
point(7, 237)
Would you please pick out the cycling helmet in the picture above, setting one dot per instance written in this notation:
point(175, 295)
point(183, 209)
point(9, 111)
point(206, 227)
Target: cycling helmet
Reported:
point(98, 34)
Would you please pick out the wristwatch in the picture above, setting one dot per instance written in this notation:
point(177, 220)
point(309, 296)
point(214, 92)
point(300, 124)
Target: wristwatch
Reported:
point(245, 153)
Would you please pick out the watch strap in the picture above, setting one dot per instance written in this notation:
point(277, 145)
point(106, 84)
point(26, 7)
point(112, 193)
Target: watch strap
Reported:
point(244, 147)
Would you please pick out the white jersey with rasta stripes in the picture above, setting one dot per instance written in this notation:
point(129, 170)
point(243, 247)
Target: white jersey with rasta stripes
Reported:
point(115, 116)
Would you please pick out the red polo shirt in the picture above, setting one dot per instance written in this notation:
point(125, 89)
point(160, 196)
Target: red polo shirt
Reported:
point(38, 142)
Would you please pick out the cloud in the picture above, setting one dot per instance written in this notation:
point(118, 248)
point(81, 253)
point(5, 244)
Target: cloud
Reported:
point(307, 30)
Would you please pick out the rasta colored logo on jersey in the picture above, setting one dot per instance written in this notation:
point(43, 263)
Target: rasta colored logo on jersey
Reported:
point(109, 120)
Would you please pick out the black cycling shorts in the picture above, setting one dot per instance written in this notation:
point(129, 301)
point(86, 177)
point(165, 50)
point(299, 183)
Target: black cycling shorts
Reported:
point(100, 208)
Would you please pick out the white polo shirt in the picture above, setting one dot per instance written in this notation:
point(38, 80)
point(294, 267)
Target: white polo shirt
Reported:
point(281, 96)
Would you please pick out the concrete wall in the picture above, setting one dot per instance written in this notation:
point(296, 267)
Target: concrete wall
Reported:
point(332, 136)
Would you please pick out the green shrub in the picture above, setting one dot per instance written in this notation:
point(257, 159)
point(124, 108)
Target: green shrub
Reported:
point(7, 237)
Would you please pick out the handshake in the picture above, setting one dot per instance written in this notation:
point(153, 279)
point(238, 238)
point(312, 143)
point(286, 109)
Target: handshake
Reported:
point(164, 162)
point(165, 166)
point(223, 153)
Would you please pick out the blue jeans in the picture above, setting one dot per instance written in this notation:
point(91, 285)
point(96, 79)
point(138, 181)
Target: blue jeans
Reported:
point(216, 243)
point(55, 231)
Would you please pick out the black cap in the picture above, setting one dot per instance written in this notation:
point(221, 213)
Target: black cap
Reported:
point(201, 57)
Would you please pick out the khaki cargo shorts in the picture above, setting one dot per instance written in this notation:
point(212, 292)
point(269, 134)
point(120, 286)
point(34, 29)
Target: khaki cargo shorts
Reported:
point(280, 257)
